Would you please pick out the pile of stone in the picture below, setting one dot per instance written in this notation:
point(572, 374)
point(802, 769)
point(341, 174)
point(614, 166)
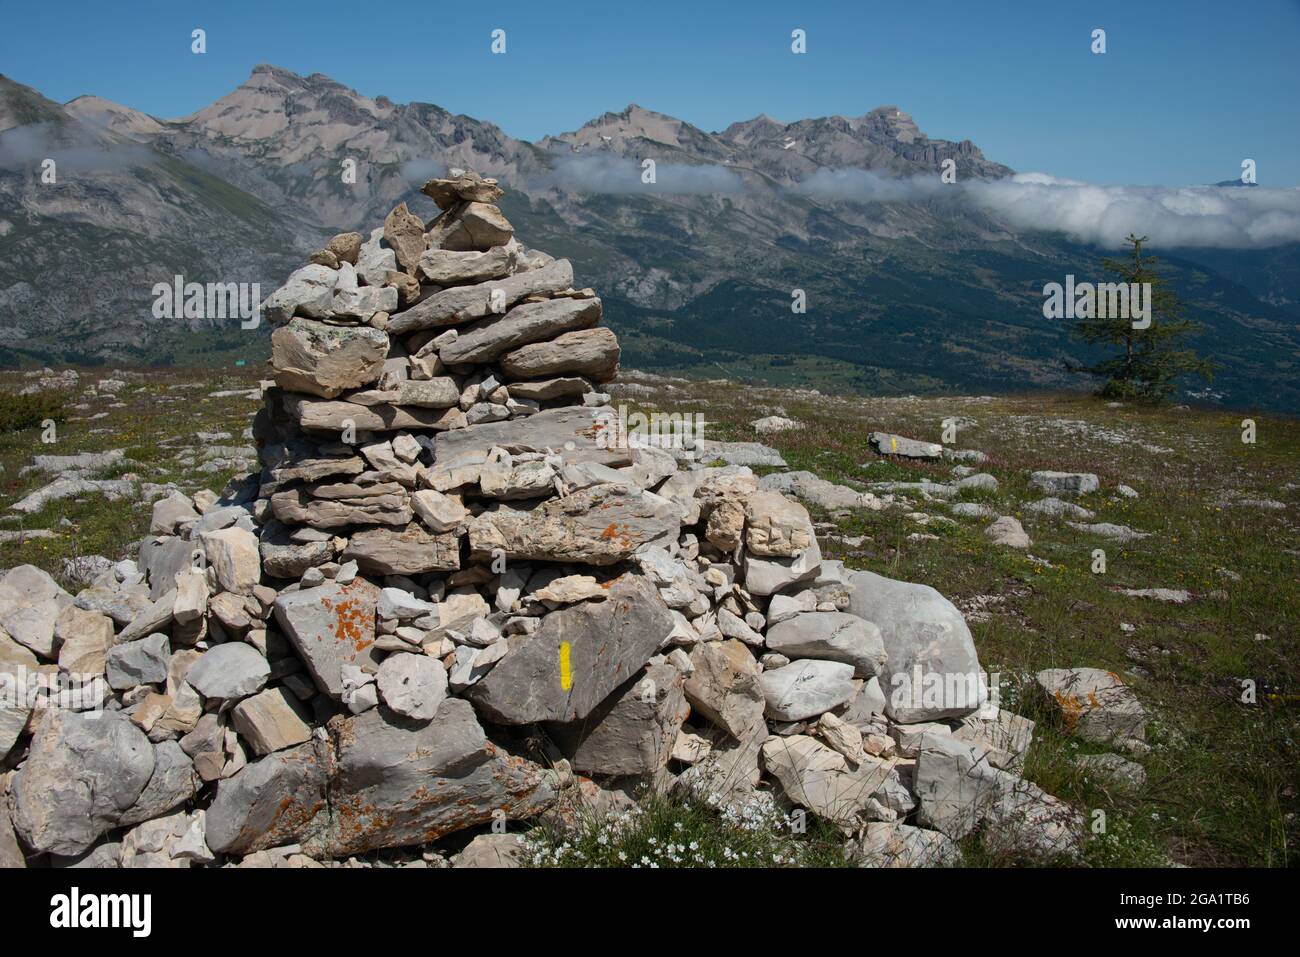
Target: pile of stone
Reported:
point(457, 597)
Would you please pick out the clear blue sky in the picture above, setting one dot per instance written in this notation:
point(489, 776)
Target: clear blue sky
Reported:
point(1185, 91)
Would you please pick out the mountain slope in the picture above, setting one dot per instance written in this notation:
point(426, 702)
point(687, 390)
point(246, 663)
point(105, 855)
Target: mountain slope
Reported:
point(79, 256)
point(911, 294)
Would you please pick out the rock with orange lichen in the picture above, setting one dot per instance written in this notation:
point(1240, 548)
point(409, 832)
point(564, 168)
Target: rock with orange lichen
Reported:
point(399, 782)
point(378, 780)
point(271, 802)
point(601, 525)
point(1095, 705)
point(331, 625)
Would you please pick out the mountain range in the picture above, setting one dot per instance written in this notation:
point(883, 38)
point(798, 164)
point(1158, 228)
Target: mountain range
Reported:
point(907, 292)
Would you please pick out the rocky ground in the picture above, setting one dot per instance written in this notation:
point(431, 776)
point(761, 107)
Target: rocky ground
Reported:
point(1197, 600)
point(449, 599)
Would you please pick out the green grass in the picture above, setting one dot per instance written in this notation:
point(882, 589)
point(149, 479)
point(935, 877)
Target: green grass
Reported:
point(153, 419)
point(1222, 775)
point(21, 412)
point(662, 831)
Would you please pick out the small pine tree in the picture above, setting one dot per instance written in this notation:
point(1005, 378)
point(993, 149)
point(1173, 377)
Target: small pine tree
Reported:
point(1151, 363)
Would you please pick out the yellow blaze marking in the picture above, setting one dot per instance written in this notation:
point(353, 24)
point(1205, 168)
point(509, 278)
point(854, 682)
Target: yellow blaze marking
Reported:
point(566, 673)
point(893, 443)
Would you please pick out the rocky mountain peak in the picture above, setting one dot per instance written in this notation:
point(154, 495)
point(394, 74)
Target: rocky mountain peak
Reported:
point(114, 117)
point(22, 106)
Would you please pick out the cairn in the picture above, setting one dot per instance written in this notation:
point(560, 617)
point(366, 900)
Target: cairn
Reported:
point(458, 594)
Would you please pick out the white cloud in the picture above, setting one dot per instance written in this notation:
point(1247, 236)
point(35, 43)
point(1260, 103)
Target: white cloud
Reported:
point(608, 173)
point(1185, 216)
point(25, 147)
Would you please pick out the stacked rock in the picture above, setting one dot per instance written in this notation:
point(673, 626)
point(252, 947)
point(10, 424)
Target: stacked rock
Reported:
point(457, 581)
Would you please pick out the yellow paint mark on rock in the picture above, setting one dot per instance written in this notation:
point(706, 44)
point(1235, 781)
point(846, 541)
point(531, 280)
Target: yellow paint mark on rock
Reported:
point(566, 672)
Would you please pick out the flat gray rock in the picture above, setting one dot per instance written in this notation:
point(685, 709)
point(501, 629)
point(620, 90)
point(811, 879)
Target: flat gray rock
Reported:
point(1113, 769)
point(1065, 483)
point(229, 672)
point(326, 415)
point(593, 353)
point(1120, 533)
point(578, 657)
point(831, 636)
point(630, 732)
point(1094, 704)
point(921, 629)
point(960, 790)
point(545, 389)
point(400, 782)
point(887, 443)
point(155, 617)
point(309, 291)
point(447, 267)
point(81, 462)
point(817, 491)
point(30, 603)
point(814, 776)
point(574, 432)
point(805, 689)
point(763, 576)
point(381, 780)
point(142, 662)
point(530, 322)
point(601, 525)
point(738, 453)
point(464, 303)
point(270, 802)
point(112, 489)
point(412, 685)
point(411, 550)
point(283, 558)
point(82, 774)
point(162, 558)
point(1174, 596)
point(1055, 506)
point(172, 783)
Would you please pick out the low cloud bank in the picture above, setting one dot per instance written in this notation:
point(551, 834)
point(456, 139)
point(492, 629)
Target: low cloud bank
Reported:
point(1186, 216)
point(26, 147)
point(607, 173)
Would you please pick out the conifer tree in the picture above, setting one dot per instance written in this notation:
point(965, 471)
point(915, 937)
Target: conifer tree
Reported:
point(1152, 360)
